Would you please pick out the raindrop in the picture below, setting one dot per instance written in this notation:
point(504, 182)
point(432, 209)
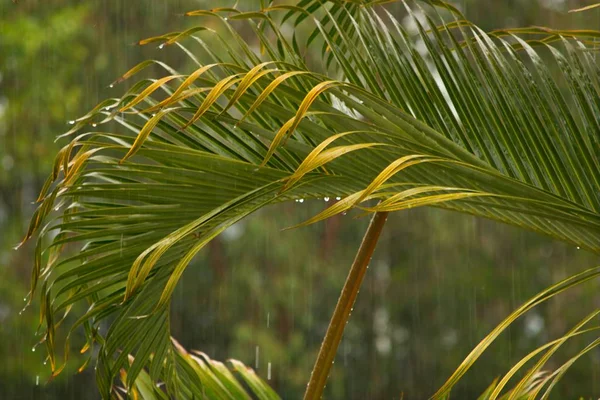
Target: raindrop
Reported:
point(225, 18)
point(338, 198)
point(71, 122)
point(301, 201)
point(344, 213)
point(33, 349)
point(161, 46)
point(56, 208)
point(45, 362)
point(94, 125)
point(24, 298)
point(326, 199)
point(111, 85)
point(257, 354)
point(578, 248)
point(269, 371)
point(21, 312)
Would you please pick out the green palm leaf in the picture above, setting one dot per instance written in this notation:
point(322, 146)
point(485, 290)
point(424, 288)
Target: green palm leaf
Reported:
point(503, 125)
point(201, 377)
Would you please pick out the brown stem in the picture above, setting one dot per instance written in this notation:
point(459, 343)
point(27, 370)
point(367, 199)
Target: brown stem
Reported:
point(344, 306)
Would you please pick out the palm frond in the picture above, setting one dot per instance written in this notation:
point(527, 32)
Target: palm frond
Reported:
point(201, 378)
point(586, 8)
point(499, 125)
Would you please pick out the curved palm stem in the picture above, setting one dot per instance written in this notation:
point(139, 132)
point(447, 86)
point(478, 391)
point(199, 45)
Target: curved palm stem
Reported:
point(344, 306)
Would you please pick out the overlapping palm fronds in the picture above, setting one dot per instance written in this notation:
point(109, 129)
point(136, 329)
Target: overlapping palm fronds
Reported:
point(504, 125)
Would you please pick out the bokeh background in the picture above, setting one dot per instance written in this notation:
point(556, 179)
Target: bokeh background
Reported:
point(438, 283)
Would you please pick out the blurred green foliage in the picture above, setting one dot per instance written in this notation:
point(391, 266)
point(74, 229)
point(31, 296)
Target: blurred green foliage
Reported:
point(438, 283)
